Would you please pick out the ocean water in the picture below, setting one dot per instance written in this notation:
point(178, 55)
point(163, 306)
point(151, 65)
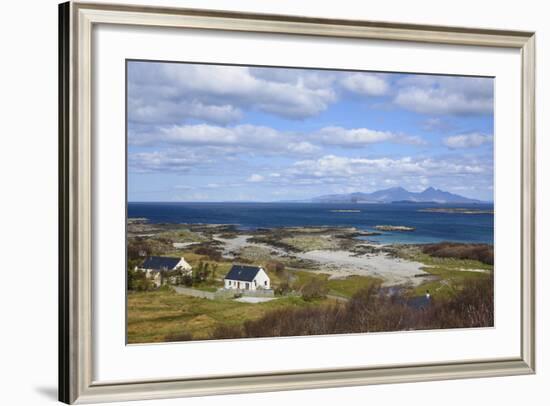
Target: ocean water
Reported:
point(429, 227)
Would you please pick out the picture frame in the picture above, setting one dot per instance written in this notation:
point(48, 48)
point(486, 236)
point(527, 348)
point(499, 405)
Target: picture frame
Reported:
point(76, 213)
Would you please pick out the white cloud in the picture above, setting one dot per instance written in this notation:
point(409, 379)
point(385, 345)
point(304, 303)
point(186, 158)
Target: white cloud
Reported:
point(143, 111)
point(255, 178)
point(361, 136)
point(343, 167)
point(211, 86)
point(437, 124)
point(156, 161)
point(366, 84)
point(303, 148)
point(445, 95)
point(471, 140)
point(259, 140)
point(262, 140)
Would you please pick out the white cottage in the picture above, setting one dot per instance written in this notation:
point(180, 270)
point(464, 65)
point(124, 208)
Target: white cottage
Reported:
point(155, 266)
point(245, 277)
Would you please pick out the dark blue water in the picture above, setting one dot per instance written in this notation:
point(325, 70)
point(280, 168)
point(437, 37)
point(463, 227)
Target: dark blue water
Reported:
point(430, 227)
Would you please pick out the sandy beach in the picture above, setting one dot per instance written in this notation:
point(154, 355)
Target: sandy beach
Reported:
point(339, 263)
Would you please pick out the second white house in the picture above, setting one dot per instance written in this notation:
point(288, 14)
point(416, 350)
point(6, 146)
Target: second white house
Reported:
point(155, 267)
point(244, 277)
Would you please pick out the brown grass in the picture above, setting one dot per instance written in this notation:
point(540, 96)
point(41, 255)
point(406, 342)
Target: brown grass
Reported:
point(372, 310)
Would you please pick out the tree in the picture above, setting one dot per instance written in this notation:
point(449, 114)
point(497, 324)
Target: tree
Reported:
point(214, 270)
point(138, 281)
point(202, 271)
point(283, 288)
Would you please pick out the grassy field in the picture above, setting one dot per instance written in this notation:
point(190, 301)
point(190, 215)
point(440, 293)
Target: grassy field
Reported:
point(345, 287)
point(163, 315)
point(155, 316)
point(450, 273)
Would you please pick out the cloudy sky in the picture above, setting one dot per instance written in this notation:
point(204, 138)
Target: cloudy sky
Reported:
point(225, 133)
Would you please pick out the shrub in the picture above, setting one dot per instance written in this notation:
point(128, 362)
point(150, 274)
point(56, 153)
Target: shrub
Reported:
point(314, 289)
point(225, 331)
point(283, 289)
point(478, 252)
point(210, 252)
point(373, 310)
point(187, 280)
point(275, 266)
point(138, 281)
point(201, 273)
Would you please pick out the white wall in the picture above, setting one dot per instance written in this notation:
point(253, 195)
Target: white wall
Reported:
point(261, 279)
point(28, 164)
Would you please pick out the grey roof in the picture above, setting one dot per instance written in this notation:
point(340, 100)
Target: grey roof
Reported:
point(242, 273)
point(160, 263)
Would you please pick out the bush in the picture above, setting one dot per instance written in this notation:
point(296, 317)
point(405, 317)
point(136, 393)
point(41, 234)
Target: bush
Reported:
point(283, 289)
point(138, 281)
point(314, 289)
point(201, 273)
point(275, 266)
point(373, 310)
point(225, 331)
point(478, 252)
point(210, 252)
point(166, 288)
point(187, 280)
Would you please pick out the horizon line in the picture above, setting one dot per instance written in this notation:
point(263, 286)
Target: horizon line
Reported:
point(301, 201)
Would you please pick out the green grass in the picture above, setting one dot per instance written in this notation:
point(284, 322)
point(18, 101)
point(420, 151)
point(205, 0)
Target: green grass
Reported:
point(448, 283)
point(309, 242)
point(152, 316)
point(181, 235)
point(349, 286)
point(415, 254)
point(450, 273)
point(211, 287)
point(345, 287)
point(303, 277)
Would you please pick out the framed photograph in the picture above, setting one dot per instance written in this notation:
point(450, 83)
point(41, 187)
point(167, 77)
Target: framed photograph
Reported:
point(263, 202)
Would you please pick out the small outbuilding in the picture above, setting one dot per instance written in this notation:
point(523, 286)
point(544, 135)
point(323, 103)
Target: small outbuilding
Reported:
point(420, 302)
point(245, 277)
point(156, 268)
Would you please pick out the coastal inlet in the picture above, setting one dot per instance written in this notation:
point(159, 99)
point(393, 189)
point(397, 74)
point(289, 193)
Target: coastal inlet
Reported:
point(313, 266)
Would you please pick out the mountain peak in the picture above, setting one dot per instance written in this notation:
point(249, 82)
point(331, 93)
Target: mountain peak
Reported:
point(397, 194)
point(396, 189)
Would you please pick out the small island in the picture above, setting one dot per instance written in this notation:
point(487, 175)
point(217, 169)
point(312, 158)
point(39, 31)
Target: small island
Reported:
point(345, 211)
point(394, 228)
point(455, 210)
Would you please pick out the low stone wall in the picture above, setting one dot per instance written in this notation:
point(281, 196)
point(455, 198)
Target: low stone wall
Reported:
point(195, 292)
point(228, 293)
point(223, 293)
point(258, 293)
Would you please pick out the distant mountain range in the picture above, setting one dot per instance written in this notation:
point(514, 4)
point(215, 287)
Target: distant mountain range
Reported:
point(396, 195)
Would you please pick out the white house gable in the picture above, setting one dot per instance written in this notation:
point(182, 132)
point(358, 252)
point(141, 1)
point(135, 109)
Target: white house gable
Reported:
point(245, 277)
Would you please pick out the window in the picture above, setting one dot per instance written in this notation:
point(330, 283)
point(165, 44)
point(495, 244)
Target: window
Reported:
point(265, 283)
point(247, 285)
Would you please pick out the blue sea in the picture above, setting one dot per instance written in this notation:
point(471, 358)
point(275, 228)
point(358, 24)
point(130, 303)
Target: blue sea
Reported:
point(429, 226)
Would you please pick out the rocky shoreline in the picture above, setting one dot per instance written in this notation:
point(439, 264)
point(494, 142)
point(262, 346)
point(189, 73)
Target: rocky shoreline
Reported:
point(339, 252)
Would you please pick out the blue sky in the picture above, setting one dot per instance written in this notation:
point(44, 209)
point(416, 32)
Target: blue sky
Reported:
point(227, 133)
